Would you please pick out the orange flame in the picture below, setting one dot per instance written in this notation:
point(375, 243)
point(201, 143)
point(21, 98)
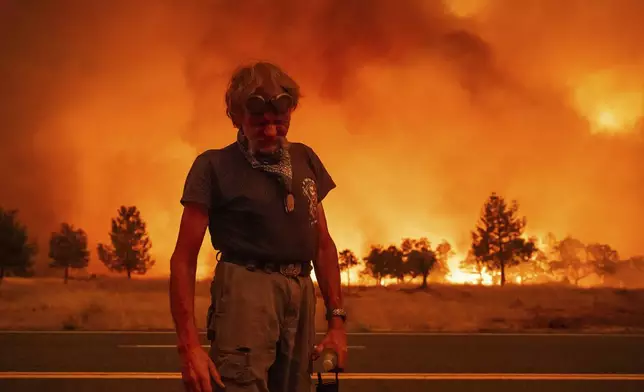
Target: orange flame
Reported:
point(609, 102)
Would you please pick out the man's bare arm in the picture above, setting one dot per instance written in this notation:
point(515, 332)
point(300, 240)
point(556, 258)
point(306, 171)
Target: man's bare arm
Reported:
point(327, 270)
point(183, 269)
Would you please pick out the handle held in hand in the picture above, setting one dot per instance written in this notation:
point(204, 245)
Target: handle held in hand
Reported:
point(330, 361)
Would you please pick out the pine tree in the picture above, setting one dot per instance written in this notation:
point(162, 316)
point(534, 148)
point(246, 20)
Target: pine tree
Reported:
point(130, 244)
point(497, 240)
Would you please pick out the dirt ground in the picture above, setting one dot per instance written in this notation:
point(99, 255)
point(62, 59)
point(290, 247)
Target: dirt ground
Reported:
point(118, 304)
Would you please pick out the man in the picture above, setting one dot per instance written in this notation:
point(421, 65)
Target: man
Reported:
point(261, 199)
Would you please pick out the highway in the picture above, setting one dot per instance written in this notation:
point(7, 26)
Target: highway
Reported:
point(147, 361)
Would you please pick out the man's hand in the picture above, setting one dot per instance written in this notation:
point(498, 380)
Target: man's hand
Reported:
point(197, 369)
point(336, 340)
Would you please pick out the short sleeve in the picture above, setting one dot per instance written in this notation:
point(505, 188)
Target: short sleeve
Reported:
point(198, 187)
point(324, 181)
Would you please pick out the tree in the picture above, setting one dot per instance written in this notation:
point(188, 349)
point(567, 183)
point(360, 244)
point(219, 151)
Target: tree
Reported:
point(130, 244)
point(16, 251)
point(604, 259)
point(420, 259)
point(443, 253)
point(497, 240)
point(534, 269)
point(68, 249)
point(347, 260)
point(394, 263)
point(381, 262)
point(375, 263)
point(572, 260)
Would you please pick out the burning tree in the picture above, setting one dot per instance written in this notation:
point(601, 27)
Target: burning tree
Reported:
point(347, 260)
point(420, 258)
point(576, 261)
point(68, 249)
point(497, 240)
point(473, 264)
point(604, 259)
point(532, 270)
point(443, 252)
point(16, 251)
point(130, 244)
point(572, 260)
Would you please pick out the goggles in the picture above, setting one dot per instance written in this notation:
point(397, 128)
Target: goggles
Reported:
point(279, 104)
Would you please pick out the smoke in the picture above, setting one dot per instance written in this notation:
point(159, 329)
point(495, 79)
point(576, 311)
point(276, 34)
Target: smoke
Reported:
point(419, 110)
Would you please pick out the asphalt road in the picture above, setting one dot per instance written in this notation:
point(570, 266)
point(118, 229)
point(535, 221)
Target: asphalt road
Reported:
point(141, 362)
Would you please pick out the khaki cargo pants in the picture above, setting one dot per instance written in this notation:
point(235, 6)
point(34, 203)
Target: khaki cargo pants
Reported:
point(262, 329)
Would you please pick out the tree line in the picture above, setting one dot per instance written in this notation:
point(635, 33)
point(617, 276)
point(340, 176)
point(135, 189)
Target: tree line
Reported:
point(499, 247)
point(127, 252)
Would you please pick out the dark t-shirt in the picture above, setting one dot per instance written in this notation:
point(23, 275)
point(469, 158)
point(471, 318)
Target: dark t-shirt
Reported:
point(246, 205)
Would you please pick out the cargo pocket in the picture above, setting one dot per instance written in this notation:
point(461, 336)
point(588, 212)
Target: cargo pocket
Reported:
point(234, 365)
point(218, 293)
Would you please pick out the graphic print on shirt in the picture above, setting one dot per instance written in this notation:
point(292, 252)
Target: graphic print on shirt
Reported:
point(310, 190)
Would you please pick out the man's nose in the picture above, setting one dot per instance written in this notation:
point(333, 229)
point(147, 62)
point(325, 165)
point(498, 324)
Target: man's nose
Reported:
point(270, 130)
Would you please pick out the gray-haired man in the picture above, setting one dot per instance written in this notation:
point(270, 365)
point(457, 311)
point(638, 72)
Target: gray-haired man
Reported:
point(261, 198)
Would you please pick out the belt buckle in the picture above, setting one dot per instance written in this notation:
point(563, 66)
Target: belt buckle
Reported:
point(291, 270)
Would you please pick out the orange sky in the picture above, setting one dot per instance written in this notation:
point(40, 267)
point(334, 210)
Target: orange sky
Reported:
point(418, 111)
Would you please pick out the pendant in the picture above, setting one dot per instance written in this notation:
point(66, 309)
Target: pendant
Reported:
point(289, 203)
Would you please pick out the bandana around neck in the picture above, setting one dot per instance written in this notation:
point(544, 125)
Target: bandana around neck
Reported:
point(278, 165)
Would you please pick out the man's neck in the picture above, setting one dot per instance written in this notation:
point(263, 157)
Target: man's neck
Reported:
point(267, 158)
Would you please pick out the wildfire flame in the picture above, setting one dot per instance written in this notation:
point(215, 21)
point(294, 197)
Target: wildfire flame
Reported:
point(465, 8)
point(611, 104)
point(419, 111)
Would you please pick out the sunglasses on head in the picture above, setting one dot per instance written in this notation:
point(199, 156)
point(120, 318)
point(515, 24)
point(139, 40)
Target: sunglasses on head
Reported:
point(279, 104)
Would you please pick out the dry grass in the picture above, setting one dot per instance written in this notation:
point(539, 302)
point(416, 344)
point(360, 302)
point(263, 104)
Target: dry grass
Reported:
point(118, 304)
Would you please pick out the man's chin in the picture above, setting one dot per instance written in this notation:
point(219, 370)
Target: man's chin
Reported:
point(270, 148)
point(267, 150)
point(264, 150)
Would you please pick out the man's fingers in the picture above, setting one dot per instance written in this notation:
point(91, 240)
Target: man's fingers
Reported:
point(339, 352)
point(317, 350)
point(214, 373)
point(192, 382)
point(191, 385)
point(204, 383)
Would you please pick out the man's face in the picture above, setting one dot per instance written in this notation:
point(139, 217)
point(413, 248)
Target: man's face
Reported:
point(266, 133)
point(266, 121)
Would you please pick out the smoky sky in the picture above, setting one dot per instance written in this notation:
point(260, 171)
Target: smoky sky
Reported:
point(418, 109)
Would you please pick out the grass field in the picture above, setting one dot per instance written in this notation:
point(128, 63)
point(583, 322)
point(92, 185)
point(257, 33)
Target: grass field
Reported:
point(118, 304)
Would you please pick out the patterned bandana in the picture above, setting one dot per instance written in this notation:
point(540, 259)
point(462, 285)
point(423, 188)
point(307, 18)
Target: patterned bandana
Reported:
point(281, 168)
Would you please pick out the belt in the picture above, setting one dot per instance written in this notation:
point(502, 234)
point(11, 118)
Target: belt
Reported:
point(293, 269)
